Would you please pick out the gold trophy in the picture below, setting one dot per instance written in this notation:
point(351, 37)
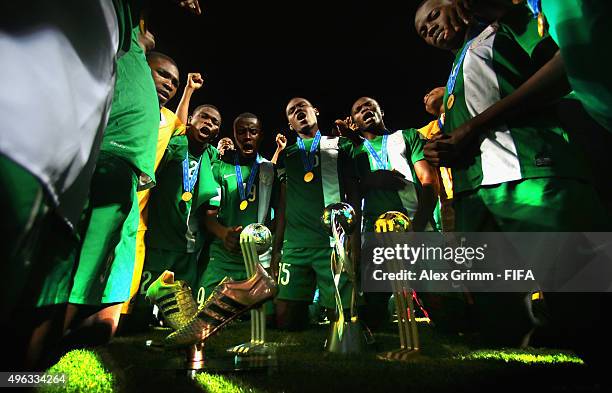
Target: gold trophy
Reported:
point(255, 240)
point(394, 221)
point(345, 337)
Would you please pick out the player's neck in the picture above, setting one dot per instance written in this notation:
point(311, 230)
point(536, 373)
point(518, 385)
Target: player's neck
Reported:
point(308, 134)
point(246, 158)
point(373, 133)
point(196, 148)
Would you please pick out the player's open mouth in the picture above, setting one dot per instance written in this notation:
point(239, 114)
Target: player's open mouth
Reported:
point(163, 94)
point(248, 148)
point(204, 132)
point(439, 36)
point(300, 116)
point(368, 116)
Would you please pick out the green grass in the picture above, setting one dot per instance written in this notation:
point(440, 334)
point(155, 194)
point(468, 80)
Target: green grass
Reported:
point(446, 362)
point(212, 383)
point(84, 371)
point(522, 356)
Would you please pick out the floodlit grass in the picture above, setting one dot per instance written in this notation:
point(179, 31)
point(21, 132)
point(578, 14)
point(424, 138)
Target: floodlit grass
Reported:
point(220, 384)
point(84, 373)
point(521, 357)
point(446, 362)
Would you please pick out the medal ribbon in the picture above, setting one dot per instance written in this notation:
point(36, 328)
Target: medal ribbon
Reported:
point(308, 158)
point(450, 85)
point(254, 169)
point(189, 180)
point(381, 161)
point(534, 6)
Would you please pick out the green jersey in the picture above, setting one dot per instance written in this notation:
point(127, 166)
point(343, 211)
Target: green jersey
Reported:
point(131, 132)
point(404, 148)
point(305, 201)
point(262, 195)
point(582, 31)
point(497, 62)
point(173, 222)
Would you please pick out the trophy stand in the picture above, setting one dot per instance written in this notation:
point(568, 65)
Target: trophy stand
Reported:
point(402, 292)
point(345, 337)
point(254, 238)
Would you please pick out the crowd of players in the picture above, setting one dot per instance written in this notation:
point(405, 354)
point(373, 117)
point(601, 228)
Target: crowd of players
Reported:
point(110, 188)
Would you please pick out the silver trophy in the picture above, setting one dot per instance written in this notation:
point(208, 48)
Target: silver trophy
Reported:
point(255, 239)
point(394, 221)
point(345, 336)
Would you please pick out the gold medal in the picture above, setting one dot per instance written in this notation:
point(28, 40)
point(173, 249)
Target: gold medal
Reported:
point(541, 24)
point(308, 177)
point(186, 196)
point(451, 101)
point(244, 204)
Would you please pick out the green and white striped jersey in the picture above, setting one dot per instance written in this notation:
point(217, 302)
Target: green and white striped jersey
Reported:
point(498, 61)
point(404, 148)
point(305, 201)
point(260, 197)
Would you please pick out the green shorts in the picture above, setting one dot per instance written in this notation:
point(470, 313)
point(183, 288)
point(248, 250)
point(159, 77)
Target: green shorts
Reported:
point(549, 204)
point(183, 264)
point(302, 270)
point(105, 261)
point(22, 203)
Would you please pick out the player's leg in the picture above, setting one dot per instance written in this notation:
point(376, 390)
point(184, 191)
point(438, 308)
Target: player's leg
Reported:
point(112, 202)
point(321, 262)
point(297, 283)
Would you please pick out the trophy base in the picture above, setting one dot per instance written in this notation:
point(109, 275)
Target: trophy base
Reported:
point(399, 355)
point(356, 338)
point(253, 348)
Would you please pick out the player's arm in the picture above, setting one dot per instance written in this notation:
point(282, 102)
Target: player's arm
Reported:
point(547, 85)
point(279, 233)
point(427, 196)
point(194, 82)
point(281, 143)
point(229, 235)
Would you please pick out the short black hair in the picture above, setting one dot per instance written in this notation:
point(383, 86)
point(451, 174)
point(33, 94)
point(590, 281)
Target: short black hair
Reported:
point(199, 108)
point(245, 115)
point(158, 55)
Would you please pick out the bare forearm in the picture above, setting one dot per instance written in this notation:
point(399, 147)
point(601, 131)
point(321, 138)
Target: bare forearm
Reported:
point(427, 204)
point(544, 87)
point(182, 111)
point(275, 156)
point(213, 225)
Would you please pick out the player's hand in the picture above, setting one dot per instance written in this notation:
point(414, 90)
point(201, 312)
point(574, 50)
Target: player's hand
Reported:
point(194, 81)
point(281, 142)
point(385, 180)
point(449, 150)
point(348, 129)
point(274, 264)
point(192, 6)
point(231, 239)
point(224, 145)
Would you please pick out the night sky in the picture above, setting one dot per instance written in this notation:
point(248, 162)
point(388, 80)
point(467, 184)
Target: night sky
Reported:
point(257, 55)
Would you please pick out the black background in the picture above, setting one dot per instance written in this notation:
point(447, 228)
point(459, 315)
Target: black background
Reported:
point(255, 56)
